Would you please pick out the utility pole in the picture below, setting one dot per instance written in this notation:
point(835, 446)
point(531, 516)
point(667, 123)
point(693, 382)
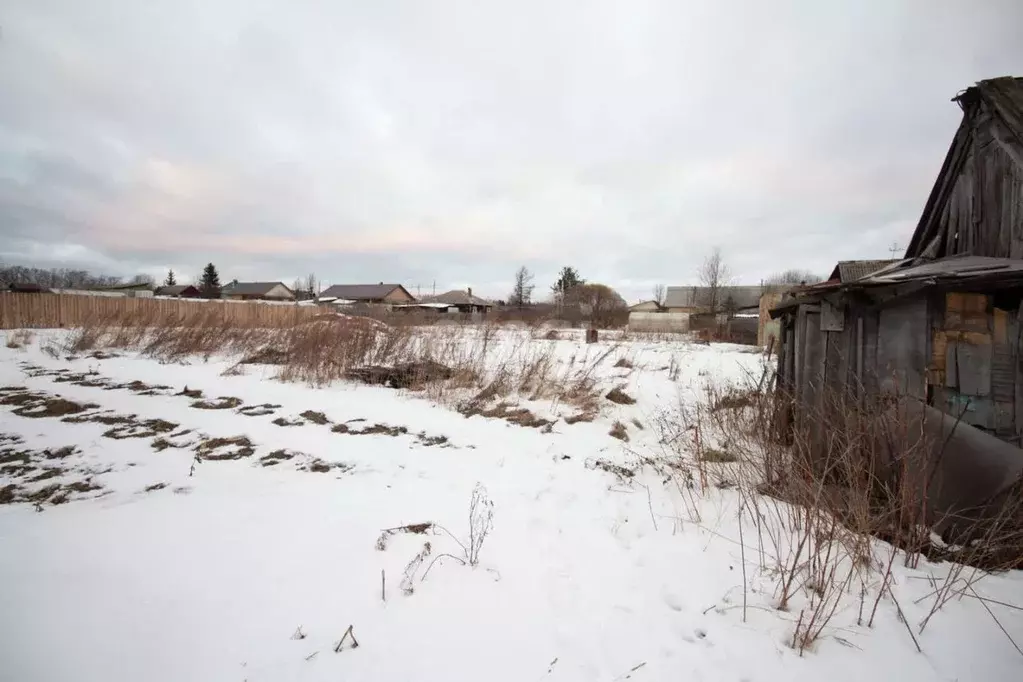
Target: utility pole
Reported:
point(894, 249)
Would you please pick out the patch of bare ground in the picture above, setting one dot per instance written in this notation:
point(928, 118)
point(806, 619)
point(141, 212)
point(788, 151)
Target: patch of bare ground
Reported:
point(282, 421)
point(315, 417)
point(214, 449)
point(9, 494)
point(374, 429)
point(60, 453)
point(580, 417)
point(154, 487)
point(624, 362)
point(277, 456)
point(619, 396)
point(388, 430)
point(53, 472)
point(142, 429)
point(54, 493)
point(193, 393)
point(105, 418)
point(41, 406)
point(405, 375)
point(430, 441)
point(320, 466)
point(510, 413)
point(160, 443)
point(140, 387)
point(221, 403)
point(258, 410)
point(619, 431)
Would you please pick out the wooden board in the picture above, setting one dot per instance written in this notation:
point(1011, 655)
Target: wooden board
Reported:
point(966, 312)
point(832, 317)
point(902, 358)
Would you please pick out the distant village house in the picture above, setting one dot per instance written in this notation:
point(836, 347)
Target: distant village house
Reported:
point(366, 294)
point(257, 291)
point(179, 291)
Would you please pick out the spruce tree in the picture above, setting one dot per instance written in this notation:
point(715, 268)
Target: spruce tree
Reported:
point(210, 282)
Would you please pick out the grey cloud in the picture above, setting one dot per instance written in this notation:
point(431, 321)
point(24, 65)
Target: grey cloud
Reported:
point(455, 140)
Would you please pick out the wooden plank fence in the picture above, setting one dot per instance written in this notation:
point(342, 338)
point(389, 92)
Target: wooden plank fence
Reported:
point(52, 311)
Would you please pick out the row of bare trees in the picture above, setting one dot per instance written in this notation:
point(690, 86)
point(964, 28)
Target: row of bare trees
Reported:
point(63, 278)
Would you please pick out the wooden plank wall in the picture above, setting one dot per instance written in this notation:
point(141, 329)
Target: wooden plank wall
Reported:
point(49, 311)
point(984, 213)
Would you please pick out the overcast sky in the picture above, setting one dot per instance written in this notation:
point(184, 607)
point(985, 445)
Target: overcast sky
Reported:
point(451, 142)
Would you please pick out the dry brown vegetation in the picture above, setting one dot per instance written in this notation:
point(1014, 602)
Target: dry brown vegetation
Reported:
point(469, 366)
point(814, 500)
point(19, 338)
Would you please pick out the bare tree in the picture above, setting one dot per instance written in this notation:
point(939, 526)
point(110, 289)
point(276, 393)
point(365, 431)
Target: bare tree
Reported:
point(522, 291)
point(604, 305)
point(312, 286)
point(714, 276)
point(659, 293)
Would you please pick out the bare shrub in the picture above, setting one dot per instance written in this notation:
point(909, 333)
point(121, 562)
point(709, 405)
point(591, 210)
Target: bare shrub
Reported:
point(19, 338)
point(481, 522)
point(815, 496)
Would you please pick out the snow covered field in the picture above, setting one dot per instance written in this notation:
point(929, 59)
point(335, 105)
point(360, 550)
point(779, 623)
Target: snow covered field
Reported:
point(237, 533)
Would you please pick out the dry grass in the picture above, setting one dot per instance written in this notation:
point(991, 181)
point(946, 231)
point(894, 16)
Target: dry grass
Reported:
point(812, 501)
point(19, 339)
point(445, 363)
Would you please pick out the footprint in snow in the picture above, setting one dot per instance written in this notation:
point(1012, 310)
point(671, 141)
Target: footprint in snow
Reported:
point(674, 602)
point(698, 633)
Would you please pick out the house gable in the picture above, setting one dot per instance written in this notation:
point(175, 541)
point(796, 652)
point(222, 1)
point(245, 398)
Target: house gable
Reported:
point(280, 292)
point(976, 204)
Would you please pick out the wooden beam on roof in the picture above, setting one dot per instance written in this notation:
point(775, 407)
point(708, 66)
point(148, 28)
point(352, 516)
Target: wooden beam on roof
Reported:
point(950, 169)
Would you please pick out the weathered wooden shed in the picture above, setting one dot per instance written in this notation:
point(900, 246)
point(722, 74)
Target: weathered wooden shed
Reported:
point(943, 325)
point(946, 332)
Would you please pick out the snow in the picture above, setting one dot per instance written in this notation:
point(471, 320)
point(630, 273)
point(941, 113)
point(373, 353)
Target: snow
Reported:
point(583, 577)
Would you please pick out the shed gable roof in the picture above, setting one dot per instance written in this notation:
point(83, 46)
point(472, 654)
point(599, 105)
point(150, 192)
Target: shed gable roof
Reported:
point(996, 103)
point(851, 270)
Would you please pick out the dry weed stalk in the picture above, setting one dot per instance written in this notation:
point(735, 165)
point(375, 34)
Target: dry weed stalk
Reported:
point(818, 500)
point(482, 359)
